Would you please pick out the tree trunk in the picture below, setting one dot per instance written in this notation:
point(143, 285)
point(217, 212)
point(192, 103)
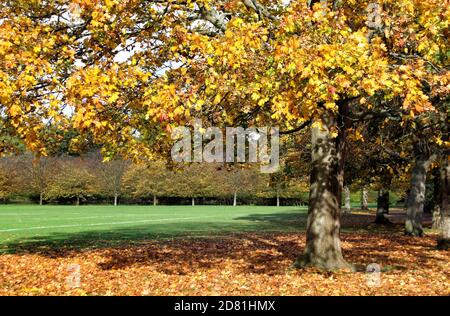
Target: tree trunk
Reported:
point(364, 203)
point(382, 207)
point(193, 201)
point(116, 197)
point(41, 199)
point(78, 201)
point(235, 198)
point(416, 198)
point(437, 219)
point(444, 240)
point(278, 199)
point(341, 144)
point(155, 201)
point(437, 198)
point(347, 207)
point(323, 246)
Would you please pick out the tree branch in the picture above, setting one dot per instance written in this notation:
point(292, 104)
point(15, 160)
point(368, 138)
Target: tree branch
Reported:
point(297, 129)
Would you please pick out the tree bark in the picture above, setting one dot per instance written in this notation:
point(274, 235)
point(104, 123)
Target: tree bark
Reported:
point(437, 198)
point(416, 198)
point(323, 246)
point(41, 199)
point(78, 201)
point(341, 144)
point(235, 198)
point(115, 199)
point(437, 219)
point(193, 201)
point(444, 240)
point(155, 201)
point(347, 206)
point(382, 207)
point(364, 203)
point(278, 199)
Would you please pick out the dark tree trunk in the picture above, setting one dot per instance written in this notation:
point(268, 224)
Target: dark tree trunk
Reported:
point(41, 199)
point(444, 240)
point(382, 207)
point(78, 201)
point(416, 198)
point(323, 246)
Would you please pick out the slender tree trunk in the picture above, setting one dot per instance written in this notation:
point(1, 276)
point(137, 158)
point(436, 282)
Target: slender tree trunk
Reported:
point(382, 207)
point(341, 144)
point(116, 197)
point(437, 198)
point(278, 199)
point(235, 198)
point(437, 219)
point(364, 203)
point(416, 198)
point(155, 201)
point(193, 201)
point(323, 246)
point(444, 240)
point(347, 206)
point(340, 172)
point(41, 199)
point(78, 201)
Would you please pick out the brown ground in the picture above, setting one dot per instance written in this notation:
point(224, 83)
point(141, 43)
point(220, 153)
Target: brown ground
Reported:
point(241, 264)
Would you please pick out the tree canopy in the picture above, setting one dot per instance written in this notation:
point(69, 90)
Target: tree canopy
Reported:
point(122, 75)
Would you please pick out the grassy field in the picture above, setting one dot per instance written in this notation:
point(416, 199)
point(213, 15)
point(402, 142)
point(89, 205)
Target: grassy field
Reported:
point(32, 225)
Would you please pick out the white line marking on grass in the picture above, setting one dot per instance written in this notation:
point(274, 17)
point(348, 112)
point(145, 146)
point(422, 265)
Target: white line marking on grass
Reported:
point(102, 224)
point(32, 214)
point(120, 215)
point(17, 214)
point(104, 216)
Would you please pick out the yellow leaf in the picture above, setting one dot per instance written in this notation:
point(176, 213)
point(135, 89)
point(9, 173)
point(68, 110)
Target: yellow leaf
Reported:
point(15, 110)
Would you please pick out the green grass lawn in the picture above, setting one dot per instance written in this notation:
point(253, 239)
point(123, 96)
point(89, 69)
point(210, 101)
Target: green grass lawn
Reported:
point(24, 226)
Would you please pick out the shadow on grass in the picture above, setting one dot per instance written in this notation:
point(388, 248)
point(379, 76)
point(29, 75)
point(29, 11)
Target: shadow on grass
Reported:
point(259, 243)
point(60, 242)
point(57, 242)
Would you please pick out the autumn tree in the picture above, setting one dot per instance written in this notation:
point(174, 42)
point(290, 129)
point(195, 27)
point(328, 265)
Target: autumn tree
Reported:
point(130, 71)
point(148, 180)
point(110, 175)
point(238, 181)
point(74, 181)
point(9, 184)
point(36, 173)
point(194, 181)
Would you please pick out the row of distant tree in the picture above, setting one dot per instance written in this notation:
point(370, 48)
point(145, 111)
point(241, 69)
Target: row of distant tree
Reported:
point(87, 179)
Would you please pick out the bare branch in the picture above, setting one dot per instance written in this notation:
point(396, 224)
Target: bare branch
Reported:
point(297, 129)
point(258, 8)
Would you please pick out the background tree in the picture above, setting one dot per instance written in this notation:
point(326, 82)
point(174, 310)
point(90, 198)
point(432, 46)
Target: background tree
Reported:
point(9, 184)
point(148, 180)
point(36, 173)
point(74, 181)
point(111, 175)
